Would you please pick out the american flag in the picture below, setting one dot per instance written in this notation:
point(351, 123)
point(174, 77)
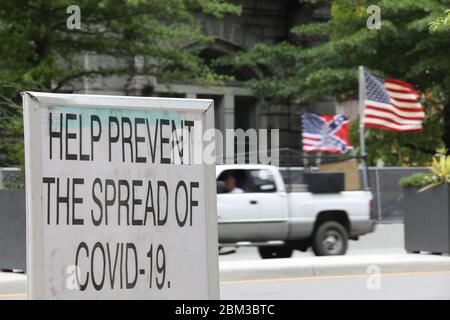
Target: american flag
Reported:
point(391, 105)
point(325, 133)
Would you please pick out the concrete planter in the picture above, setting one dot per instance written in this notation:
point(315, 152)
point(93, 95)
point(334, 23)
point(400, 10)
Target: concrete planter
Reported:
point(426, 220)
point(12, 230)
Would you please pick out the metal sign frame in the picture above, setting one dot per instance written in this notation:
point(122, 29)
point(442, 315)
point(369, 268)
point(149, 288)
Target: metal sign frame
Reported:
point(33, 101)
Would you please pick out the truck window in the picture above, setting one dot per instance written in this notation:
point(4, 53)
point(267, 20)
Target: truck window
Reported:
point(262, 181)
point(235, 181)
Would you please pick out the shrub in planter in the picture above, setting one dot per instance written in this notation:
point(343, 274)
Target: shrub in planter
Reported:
point(417, 180)
point(427, 197)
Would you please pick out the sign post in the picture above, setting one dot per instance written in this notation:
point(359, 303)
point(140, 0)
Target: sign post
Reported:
point(121, 204)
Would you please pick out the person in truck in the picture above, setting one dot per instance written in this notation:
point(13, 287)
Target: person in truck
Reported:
point(231, 184)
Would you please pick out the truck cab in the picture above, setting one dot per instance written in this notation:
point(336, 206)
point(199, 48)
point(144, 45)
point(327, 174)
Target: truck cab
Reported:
point(255, 208)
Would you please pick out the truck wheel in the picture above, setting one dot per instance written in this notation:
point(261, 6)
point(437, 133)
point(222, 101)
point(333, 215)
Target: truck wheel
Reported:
point(330, 239)
point(273, 252)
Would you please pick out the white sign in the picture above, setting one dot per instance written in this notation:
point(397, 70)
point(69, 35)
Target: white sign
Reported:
point(118, 205)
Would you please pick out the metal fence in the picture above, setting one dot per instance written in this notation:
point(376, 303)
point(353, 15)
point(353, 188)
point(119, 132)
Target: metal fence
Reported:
point(384, 184)
point(388, 194)
point(10, 177)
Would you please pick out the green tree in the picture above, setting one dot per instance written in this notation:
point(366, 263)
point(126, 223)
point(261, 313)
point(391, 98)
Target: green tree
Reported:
point(39, 52)
point(402, 48)
point(441, 22)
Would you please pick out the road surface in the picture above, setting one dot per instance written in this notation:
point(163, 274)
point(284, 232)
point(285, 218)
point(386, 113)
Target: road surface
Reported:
point(426, 285)
point(419, 285)
point(387, 239)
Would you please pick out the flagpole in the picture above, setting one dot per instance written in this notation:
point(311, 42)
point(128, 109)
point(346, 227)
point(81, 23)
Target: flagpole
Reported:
point(362, 142)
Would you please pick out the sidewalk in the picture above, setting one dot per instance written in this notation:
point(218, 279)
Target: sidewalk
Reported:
point(332, 266)
point(12, 285)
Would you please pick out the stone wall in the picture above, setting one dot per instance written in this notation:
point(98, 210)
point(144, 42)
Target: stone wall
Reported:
point(266, 21)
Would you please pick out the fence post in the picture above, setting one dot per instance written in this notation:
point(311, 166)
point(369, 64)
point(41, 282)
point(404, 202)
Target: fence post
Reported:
point(377, 181)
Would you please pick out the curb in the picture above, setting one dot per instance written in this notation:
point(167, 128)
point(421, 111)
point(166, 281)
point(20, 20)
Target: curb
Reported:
point(331, 266)
point(299, 267)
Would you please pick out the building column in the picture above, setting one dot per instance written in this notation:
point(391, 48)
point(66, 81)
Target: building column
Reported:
point(227, 109)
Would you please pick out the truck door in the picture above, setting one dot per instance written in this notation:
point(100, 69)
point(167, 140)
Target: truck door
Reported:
point(237, 210)
point(272, 204)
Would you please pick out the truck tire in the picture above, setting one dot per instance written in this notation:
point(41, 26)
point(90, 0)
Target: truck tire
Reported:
point(274, 252)
point(330, 239)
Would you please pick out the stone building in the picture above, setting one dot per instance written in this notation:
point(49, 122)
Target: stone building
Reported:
point(267, 21)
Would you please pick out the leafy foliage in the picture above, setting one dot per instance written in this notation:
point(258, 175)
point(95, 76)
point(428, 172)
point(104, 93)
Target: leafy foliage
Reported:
point(403, 48)
point(39, 52)
point(417, 180)
point(440, 22)
point(439, 173)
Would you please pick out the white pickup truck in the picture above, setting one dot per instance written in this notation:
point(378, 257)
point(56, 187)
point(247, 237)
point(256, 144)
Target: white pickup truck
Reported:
point(254, 208)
